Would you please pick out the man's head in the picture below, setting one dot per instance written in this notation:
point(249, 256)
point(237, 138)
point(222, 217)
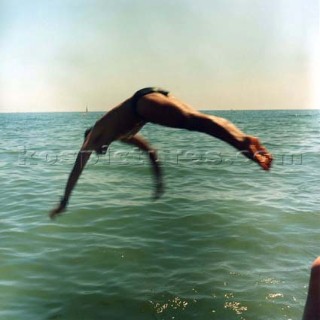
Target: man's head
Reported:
point(101, 150)
point(87, 132)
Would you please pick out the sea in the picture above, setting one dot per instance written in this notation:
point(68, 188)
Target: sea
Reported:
point(226, 241)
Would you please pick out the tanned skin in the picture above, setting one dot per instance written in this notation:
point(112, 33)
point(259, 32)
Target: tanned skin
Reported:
point(122, 123)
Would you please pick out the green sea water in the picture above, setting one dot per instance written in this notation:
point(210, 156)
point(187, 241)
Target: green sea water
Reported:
point(226, 241)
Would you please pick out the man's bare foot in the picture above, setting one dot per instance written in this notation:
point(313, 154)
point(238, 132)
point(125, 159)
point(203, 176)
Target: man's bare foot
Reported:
point(253, 150)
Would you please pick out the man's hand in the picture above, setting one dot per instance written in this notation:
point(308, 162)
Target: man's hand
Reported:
point(60, 208)
point(159, 189)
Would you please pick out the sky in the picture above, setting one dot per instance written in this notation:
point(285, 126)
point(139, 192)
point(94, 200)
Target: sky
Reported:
point(64, 55)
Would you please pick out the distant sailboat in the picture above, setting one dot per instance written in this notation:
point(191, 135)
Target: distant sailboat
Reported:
point(86, 111)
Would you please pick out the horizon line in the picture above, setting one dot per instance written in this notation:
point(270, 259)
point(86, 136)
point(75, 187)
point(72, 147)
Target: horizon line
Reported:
point(204, 110)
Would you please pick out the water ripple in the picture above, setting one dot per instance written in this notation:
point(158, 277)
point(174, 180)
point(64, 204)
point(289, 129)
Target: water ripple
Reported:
point(226, 241)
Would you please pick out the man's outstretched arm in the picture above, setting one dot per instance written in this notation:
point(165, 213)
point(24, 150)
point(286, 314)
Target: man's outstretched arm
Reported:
point(82, 159)
point(143, 145)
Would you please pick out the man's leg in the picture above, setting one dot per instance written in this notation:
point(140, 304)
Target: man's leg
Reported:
point(170, 112)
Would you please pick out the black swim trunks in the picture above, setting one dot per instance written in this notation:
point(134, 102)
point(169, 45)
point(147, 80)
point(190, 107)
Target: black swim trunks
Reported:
point(139, 94)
